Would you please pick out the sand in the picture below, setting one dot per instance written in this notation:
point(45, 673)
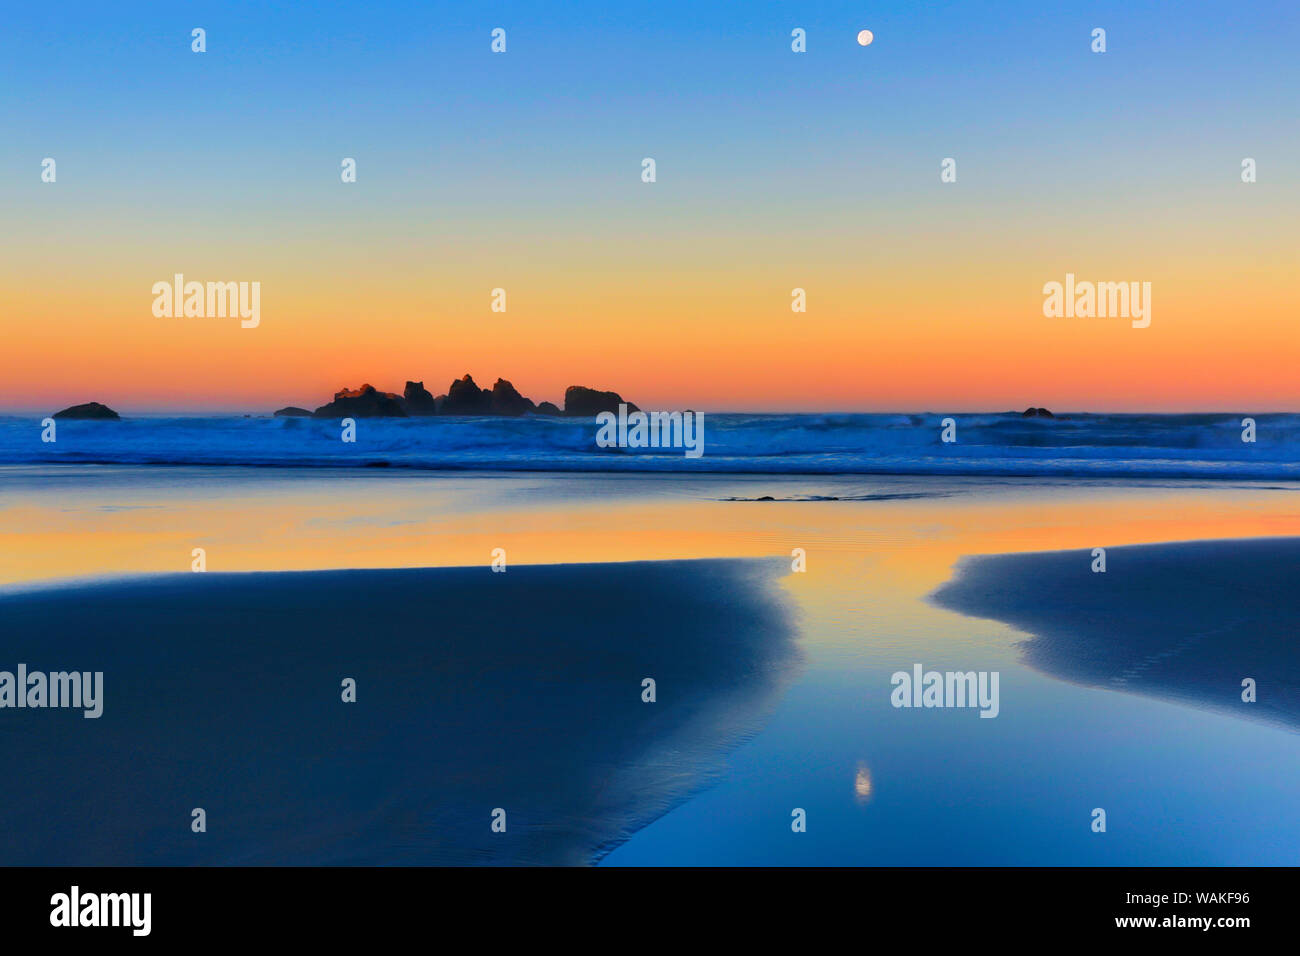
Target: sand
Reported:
point(1184, 622)
point(475, 691)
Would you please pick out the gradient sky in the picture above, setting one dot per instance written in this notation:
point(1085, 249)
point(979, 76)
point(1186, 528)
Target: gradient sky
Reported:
point(775, 170)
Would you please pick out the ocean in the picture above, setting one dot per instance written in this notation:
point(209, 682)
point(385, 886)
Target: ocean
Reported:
point(1076, 445)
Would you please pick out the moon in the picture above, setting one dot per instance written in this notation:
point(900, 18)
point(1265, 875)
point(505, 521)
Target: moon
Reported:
point(865, 37)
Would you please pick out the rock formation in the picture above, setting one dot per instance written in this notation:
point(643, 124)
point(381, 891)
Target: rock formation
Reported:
point(364, 402)
point(463, 397)
point(418, 401)
point(506, 400)
point(90, 410)
point(583, 402)
point(466, 398)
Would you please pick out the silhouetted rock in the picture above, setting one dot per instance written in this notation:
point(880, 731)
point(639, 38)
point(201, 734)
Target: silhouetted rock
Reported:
point(90, 410)
point(1036, 413)
point(582, 402)
point(466, 398)
point(418, 400)
point(463, 397)
point(506, 400)
point(364, 402)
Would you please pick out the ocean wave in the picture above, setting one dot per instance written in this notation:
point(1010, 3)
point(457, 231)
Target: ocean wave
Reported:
point(1187, 445)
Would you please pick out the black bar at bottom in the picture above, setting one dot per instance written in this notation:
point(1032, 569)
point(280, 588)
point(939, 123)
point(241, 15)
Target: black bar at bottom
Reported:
point(333, 906)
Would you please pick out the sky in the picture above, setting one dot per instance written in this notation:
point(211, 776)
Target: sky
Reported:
point(775, 170)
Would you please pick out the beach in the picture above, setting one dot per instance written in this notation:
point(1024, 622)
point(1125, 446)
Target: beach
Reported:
point(1187, 622)
point(522, 690)
point(474, 691)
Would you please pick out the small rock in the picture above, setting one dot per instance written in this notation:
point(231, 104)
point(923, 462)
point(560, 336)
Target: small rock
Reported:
point(90, 410)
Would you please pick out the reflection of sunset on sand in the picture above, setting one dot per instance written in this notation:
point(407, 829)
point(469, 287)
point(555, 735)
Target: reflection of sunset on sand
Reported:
point(860, 611)
point(259, 520)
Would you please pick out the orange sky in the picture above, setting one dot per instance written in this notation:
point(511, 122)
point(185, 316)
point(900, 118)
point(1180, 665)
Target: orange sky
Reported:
point(919, 301)
point(927, 325)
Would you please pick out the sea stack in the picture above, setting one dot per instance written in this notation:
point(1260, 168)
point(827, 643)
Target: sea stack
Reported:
point(363, 402)
point(418, 400)
point(90, 411)
point(583, 402)
point(463, 397)
point(466, 398)
point(506, 400)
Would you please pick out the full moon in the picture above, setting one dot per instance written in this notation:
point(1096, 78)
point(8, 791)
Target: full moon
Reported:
point(865, 38)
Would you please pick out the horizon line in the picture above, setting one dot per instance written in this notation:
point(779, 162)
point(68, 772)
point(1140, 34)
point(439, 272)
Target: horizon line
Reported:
point(191, 412)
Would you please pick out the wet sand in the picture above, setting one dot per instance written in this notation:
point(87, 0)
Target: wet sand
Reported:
point(475, 691)
point(1186, 621)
